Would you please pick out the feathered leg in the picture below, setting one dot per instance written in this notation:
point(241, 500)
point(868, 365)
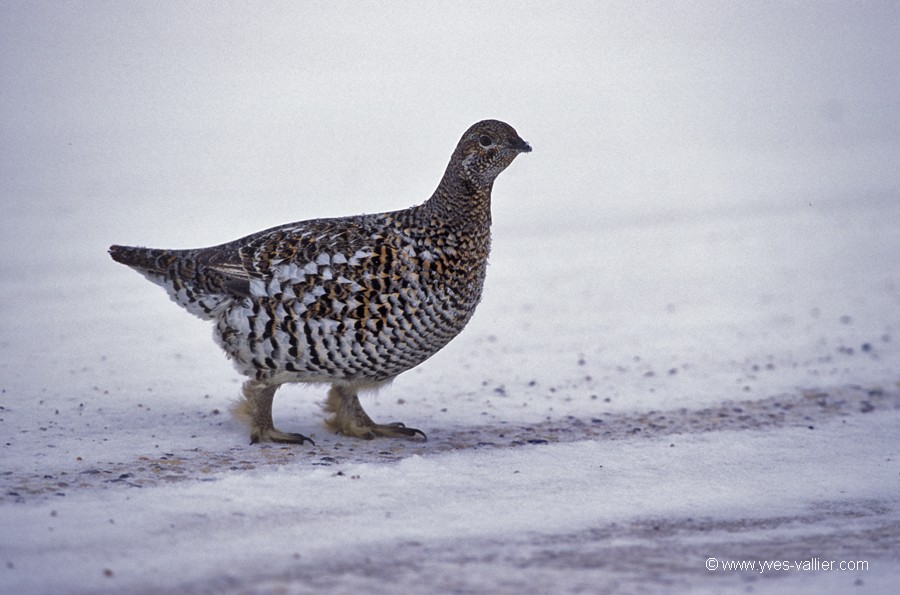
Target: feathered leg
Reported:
point(256, 411)
point(349, 418)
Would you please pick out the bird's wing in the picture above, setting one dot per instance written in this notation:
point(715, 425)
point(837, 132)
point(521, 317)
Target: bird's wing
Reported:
point(256, 257)
point(225, 265)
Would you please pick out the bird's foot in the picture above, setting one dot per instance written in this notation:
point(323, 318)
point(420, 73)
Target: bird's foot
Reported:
point(349, 419)
point(255, 410)
point(272, 435)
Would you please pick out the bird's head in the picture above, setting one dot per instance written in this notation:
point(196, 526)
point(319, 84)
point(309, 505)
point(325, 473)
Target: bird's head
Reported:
point(485, 150)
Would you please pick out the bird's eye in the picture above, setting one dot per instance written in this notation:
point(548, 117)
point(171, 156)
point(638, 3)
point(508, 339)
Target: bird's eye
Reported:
point(485, 141)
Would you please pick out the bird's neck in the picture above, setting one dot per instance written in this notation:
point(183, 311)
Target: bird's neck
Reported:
point(461, 204)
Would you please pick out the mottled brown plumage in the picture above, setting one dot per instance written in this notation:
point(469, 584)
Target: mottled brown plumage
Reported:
point(351, 301)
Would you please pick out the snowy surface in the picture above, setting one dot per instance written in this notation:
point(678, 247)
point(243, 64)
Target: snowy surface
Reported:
point(689, 345)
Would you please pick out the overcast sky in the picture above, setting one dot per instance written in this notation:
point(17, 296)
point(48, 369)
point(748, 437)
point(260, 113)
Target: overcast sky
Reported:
point(268, 112)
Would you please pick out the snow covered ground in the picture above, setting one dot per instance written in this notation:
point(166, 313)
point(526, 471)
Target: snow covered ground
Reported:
point(610, 422)
point(688, 353)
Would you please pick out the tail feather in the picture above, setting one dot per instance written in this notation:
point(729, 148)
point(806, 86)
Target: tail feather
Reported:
point(188, 284)
point(150, 259)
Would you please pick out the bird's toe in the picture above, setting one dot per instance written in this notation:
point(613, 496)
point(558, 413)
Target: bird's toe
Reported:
point(277, 436)
point(396, 430)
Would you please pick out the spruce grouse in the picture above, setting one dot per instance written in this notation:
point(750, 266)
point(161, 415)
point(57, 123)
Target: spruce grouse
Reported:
point(350, 301)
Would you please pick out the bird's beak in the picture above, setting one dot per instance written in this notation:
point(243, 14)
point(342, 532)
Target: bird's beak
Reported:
point(521, 146)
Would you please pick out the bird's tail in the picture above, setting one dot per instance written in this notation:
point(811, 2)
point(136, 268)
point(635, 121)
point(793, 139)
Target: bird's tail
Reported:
point(177, 271)
point(147, 259)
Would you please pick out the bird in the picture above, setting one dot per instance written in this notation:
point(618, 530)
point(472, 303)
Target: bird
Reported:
point(348, 301)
